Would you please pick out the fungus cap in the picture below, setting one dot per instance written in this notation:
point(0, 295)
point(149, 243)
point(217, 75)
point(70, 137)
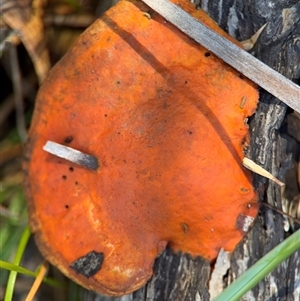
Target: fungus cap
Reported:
point(165, 120)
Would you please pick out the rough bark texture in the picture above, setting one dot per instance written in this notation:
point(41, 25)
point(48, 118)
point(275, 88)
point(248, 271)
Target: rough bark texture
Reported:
point(179, 277)
point(278, 47)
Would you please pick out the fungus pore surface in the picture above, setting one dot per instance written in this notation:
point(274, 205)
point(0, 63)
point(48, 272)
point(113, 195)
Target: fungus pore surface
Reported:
point(165, 119)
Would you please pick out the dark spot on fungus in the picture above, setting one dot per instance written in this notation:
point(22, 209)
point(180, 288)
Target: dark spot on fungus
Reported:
point(64, 177)
point(105, 115)
point(67, 206)
point(185, 228)
point(207, 54)
point(71, 169)
point(68, 139)
point(88, 265)
point(241, 76)
point(186, 82)
point(244, 190)
point(190, 132)
point(118, 82)
point(76, 183)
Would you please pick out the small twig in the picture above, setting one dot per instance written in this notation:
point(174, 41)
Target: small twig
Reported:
point(296, 220)
point(18, 94)
point(248, 44)
point(72, 155)
point(38, 280)
point(260, 170)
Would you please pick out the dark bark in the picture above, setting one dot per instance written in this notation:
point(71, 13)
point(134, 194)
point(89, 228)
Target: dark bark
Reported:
point(177, 277)
point(278, 47)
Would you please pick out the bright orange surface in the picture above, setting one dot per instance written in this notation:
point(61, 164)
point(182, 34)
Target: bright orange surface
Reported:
point(165, 120)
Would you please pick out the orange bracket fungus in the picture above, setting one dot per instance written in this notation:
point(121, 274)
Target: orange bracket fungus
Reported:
point(136, 144)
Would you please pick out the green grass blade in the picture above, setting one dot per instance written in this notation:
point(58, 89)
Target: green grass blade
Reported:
point(13, 275)
point(13, 267)
point(16, 268)
point(260, 269)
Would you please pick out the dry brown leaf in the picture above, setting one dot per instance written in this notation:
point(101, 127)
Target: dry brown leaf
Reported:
point(26, 21)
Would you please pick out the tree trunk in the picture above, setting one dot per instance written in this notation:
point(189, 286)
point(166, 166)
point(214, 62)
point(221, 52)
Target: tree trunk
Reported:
point(180, 277)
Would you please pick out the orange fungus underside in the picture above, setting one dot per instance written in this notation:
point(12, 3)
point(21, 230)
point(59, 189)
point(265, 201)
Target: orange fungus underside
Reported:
point(166, 120)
